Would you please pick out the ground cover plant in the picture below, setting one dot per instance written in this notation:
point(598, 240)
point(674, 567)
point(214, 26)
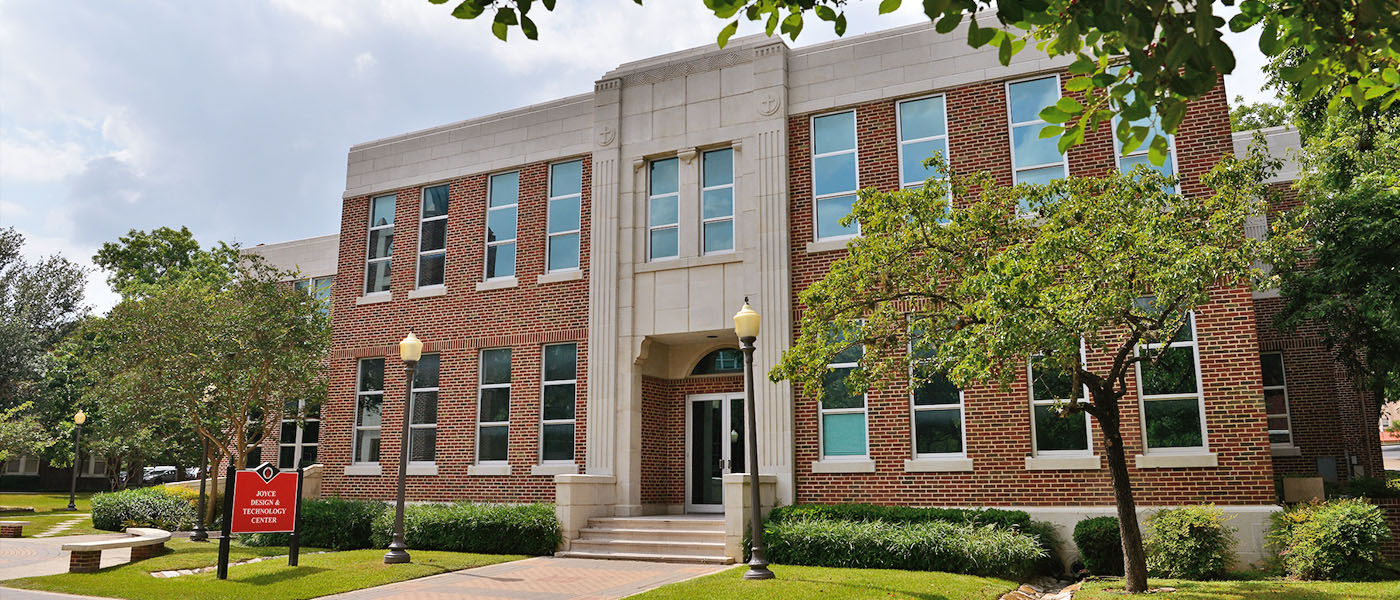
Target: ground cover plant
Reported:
point(1338, 539)
point(329, 523)
point(318, 575)
point(467, 527)
point(834, 584)
point(165, 508)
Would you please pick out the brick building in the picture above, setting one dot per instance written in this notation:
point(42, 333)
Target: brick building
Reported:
point(572, 267)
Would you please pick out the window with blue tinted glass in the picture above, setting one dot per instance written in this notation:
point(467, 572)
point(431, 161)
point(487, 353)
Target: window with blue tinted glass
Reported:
point(565, 197)
point(1129, 160)
point(835, 176)
point(717, 201)
point(937, 405)
point(432, 236)
point(923, 131)
point(501, 211)
point(843, 413)
point(663, 210)
point(1033, 159)
point(381, 243)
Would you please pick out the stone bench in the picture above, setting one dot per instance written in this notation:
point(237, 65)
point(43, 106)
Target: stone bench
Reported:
point(86, 557)
point(12, 529)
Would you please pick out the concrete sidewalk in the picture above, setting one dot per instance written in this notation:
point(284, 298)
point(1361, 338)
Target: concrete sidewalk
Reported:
point(540, 578)
point(32, 557)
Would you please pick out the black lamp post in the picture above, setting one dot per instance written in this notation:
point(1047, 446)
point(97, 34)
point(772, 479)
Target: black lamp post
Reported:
point(410, 350)
point(200, 534)
point(746, 327)
point(78, 420)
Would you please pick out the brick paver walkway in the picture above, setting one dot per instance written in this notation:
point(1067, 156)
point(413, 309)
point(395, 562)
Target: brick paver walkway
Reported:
point(541, 578)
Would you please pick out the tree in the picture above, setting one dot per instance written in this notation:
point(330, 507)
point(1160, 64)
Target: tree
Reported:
point(976, 293)
point(40, 302)
point(139, 260)
point(1174, 51)
point(21, 434)
point(1248, 116)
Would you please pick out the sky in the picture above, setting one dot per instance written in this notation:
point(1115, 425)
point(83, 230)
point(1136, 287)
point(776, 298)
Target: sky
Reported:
point(234, 118)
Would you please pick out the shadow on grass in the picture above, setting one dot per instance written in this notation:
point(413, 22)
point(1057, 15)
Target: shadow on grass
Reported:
point(864, 590)
point(1242, 588)
point(288, 574)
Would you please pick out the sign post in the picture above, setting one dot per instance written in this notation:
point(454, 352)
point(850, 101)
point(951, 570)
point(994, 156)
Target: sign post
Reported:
point(261, 500)
point(228, 518)
point(295, 549)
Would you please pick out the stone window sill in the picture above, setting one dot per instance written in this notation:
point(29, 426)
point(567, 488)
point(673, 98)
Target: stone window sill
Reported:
point(828, 245)
point(497, 284)
point(1063, 463)
point(1177, 461)
point(844, 466)
point(1286, 450)
point(689, 261)
point(558, 276)
point(429, 469)
point(431, 291)
point(483, 470)
point(374, 298)
point(560, 469)
point(938, 465)
point(363, 469)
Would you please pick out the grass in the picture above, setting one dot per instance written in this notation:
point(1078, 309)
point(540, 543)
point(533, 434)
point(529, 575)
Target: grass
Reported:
point(318, 575)
point(49, 509)
point(836, 584)
point(1248, 589)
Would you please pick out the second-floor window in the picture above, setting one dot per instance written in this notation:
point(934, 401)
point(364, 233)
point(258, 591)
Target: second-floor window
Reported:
point(663, 210)
point(369, 401)
point(1172, 412)
point(557, 424)
point(1033, 159)
point(923, 130)
point(501, 210)
point(493, 407)
point(432, 236)
point(834, 174)
point(381, 243)
point(1138, 156)
point(319, 288)
point(717, 200)
point(298, 443)
point(423, 412)
point(1276, 398)
point(1055, 432)
point(565, 197)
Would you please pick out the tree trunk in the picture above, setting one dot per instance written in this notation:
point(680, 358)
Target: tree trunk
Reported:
point(1134, 558)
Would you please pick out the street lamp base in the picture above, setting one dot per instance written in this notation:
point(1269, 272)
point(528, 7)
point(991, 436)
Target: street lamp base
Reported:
point(71, 507)
point(396, 556)
point(758, 571)
point(199, 535)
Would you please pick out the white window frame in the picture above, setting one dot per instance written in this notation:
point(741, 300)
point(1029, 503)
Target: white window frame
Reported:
point(733, 203)
point(822, 411)
point(421, 253)
point(651, 197)
point(1012, 126)
point(369, 234)
point(1118, 154)
point(855, 153)
point(544, 385)
point(1034, 402)
point(413, 401)
point(355, 433)
point(899, 135)
point(1199, 395)
point(297, 441)
point(90, 463)
point(549, 204)
point(915, 409)
point(28, 465)
point(481, 370)
point(486, 228)
point(1287, 409)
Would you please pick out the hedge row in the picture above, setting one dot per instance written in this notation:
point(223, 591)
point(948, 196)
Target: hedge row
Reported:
point(165, 508)
point(931, 545)
point(465, 527)
point(329, 523)
point(1006, 519)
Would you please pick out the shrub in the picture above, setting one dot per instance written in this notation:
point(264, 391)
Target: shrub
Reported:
point(1100, 545)
point(1006, 519)
point(170, 509)
point(328, 523)
point(1365, 487)
point(466, 527)
point(1191, 542)
point(1338, 539)
point(924, 546)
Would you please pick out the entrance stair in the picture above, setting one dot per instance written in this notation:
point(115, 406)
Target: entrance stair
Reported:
point(664, 538)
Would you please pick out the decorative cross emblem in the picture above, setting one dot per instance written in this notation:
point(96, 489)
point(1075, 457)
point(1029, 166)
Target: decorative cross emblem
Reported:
point(768, 105)
point(606, 135)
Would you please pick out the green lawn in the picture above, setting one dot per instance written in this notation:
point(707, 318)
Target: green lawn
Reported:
point(1270, 589)
point(41, 522)
point(49, 509)
point(828, 583)
point(318, 575)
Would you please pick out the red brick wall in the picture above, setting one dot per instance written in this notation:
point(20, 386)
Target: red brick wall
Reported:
point(664, 434)
point(1391, 506)
point(997, 421)
point(456, 325)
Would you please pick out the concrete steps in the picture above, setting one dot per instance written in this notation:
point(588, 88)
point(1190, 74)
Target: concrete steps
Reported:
point(657, 539)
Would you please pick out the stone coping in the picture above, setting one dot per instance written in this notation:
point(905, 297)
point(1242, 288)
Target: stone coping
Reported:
point(141, 536)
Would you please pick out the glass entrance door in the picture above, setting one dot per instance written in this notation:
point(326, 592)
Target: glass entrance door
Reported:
point(714, 447)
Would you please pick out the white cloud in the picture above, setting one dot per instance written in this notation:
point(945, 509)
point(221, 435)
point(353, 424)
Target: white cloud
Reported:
point(364, 61)
point(9, 211)
point(33, 156)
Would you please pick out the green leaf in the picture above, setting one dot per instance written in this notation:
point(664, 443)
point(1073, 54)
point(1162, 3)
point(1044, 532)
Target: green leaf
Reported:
point(438, 1)
point(724, 34)
point(468, 10)
point(1268, 38)
point(527, 27)
point(1050, 131)
point(1221, 56)
point(934, 8)
point(825, 13)
point(1004, 52)
point(1052, 114)
point(772, 24)
point(979, 36)
point(523, 6)
point(889, 6)
point(792, 25)
point(1390, 76)
point(1069, 105)
point(1157, 151)
point(500, 26)
point(1205, 23)
point(548, 5)
point(840, 24)
point(949, 22)
point(1079, 84)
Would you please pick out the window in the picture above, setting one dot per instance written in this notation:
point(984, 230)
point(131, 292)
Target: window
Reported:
point(937, 405)
point(1276, 399)
point(432, 236)
point(298, 443)
point(1033, 159)
point(369, 402)
point(1171, 392)
point(923, 130)
point(319, 288)
point(1128, 160)
point(834, 174)
point(255, 430)
point(1051, 432)
point(493, 407)
point(565, 196)
point(717, 200)
point(422, 424)
point(724, 360)
point(95, 466)
point(557, 426)
point(22, 465)
point(663, 210)
point(381, 243)
point(504, 198)
point(842, 412)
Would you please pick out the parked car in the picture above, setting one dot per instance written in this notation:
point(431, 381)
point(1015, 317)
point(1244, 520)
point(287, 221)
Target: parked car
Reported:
point(159, 475)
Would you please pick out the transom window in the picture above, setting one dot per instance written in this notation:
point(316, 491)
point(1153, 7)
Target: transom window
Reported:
point(923, 130)
point(1173, 415)
point(422, 424)
point(842, 412)
point(1276, 398)
point(298, 444)
point(717, 200)
point(724, 360)
point(565, 197)
point(1051, 432)
point(381, 243)
point(493, 407)
point(501, 211)
point(1033, 159)
point(368, 404)
point(663, 210)
point(557, 423)
point(938, 408)
point(432, 236)
point(835, 175)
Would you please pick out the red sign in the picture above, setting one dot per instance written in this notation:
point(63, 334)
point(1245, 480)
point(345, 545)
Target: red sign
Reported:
point(264, 500)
